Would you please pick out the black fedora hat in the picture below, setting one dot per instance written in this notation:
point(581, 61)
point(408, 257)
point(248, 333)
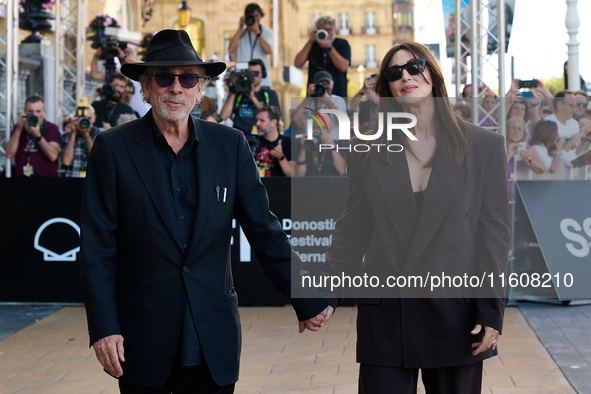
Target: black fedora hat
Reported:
point(169, 48)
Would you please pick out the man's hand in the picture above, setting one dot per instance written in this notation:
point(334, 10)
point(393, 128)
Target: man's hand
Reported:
point(22, 122)
point(318, 321)
point(241, 22)
point(256, 28)
point(324, 44)
point(489, 341)
point(312, 37)
point(34, 131)
point(109, 352)
point(277, 152)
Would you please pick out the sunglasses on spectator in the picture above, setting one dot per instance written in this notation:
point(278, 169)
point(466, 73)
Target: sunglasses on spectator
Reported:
point(413, 67)
point(187, 80)
point(581, 105)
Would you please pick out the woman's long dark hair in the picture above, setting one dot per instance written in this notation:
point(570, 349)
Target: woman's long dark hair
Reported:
point(544, 133)
point(450, 127)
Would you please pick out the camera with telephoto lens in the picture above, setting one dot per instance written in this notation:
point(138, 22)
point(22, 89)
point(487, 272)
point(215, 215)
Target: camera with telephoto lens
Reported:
point(83, 121)
point(32, 120)
point(249, 19)
point(322, 34)
point(320, 89)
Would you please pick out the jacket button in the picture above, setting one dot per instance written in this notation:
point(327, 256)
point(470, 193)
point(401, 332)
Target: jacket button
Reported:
point(185, 269)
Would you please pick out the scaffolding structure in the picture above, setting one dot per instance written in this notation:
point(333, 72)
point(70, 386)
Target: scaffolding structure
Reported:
point(9, 80)
point(70, 42)
point(473, 34)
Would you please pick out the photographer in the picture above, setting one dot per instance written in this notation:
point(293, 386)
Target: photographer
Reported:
point(365, 102)
point(273, 151)
point(35, 143)
point(320, 96)
point(253, 40)
point(77, 143)
point(244, 106)
point(110, 106)
point(325, 52)
point(310, 161)
point(97, 69)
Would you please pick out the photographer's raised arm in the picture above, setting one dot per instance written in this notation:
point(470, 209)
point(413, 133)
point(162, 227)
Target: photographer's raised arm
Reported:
point(228, 107)
point(12, 145)
point(68, 152)
point(95, 73)
point(233, 45)
point(302, 56)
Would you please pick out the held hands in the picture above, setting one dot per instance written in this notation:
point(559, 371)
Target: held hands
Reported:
point(315, 323)
point(109, 351)
point(489, 341)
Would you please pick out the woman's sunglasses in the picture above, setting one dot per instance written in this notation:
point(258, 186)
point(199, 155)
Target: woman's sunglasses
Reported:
point(413, 67)
point(187, 80)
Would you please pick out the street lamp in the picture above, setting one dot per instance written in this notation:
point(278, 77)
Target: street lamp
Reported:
point(184, 14)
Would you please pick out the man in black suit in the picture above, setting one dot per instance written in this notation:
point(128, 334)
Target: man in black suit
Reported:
point(156, 229)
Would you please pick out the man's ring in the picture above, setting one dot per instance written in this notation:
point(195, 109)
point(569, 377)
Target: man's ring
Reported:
point(495, 341)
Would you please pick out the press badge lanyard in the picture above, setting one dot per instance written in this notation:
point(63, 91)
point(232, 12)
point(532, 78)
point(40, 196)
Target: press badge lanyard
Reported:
point(28, 168)
point(252, 45)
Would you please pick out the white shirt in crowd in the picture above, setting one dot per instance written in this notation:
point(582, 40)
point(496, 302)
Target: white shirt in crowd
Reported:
point(249, 48)
point(565, 157)
point(566, 131)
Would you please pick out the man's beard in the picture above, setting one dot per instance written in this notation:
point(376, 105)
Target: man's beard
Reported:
point(173, 116)
point(114, 97)
point(263, 132)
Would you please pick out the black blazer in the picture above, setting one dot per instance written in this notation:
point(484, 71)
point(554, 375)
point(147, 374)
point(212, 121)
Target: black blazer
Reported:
point(463, 226)
point(136, 274)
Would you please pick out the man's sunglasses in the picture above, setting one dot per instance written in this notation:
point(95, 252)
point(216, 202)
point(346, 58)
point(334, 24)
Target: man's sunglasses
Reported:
point(187, 80)
point(413, 67)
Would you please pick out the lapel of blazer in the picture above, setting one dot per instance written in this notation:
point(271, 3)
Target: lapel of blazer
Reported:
point(206, 178)
point(143, 151)
point(444, 183)
point(394, 183)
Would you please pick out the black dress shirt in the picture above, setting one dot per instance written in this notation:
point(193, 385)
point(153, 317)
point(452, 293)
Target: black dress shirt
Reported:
point(181, 176)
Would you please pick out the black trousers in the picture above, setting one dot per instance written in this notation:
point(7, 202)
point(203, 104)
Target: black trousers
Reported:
point(462, 379)
point(196, 380)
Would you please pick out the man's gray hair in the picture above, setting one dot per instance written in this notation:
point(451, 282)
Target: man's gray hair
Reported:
point(145, 77)
point(324, 20)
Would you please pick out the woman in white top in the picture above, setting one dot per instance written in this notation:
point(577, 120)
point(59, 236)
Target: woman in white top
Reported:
point(550, 147)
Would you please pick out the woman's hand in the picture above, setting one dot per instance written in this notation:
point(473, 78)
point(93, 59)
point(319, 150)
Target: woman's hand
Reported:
point(511, 150)
point(489, 341)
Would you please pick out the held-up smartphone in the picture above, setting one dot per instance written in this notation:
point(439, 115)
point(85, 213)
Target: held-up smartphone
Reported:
point(527, 95)
point(528, 84)
point(520, 147)
point(370, 81)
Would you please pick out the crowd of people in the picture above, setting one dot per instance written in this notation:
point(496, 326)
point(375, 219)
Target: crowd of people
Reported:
point(117, 99)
